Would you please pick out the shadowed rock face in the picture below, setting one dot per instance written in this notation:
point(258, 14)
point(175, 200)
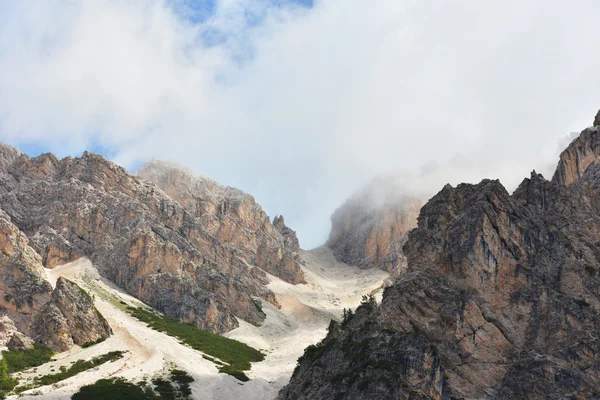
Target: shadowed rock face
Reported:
point(184, 263)
point(501, 300)
point(369, 229)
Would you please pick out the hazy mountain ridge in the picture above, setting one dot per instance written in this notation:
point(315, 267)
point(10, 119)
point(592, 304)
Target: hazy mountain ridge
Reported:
point(500, 300)
point(371, 227)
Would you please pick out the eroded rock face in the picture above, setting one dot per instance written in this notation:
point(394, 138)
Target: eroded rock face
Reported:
point(233, 218)
point(188, 261)
point(371, 227)
point(23, 288)
point(69, 318)
point(29, 301)
point(501, 300)
point(581, 153)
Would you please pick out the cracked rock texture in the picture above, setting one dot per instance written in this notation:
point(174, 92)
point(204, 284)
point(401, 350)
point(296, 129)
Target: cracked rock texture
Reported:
point(501, 299)
point(233, 218)
point(371, 227)
point(69, 318)
point(188, 254)
point(23, 288)
point(31, 306)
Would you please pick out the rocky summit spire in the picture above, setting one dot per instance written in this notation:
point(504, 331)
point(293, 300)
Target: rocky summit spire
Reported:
point(597, 119)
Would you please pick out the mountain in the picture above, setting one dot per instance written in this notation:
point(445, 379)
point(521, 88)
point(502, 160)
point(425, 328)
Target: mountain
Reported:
point(371, 227)
point(501, 299)
point(196, 251)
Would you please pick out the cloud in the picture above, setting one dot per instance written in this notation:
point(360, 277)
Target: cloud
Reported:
point(298, 105)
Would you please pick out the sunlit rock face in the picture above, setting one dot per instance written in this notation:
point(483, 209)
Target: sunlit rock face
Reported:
point(23, 288)
point(233, 218)
point(188, 256)
point(30, 308)
point(501, 299)
point(581, 153)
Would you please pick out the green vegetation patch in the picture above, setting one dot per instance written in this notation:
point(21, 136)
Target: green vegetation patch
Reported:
point(19, 360)
point(237, 354)
point(90, 344)
point(114, 389)
point(77, 367)
point(7, 384)
point(175, 388)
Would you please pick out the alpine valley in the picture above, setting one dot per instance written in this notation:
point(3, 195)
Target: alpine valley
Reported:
point(167, 285)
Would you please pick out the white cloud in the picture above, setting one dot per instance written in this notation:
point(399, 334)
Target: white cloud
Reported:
point(301, 106)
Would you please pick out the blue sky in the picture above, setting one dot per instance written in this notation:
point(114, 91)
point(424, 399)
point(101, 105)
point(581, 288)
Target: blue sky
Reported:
point(301, 103)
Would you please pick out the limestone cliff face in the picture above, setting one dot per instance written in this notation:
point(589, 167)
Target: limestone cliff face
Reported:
point(58, 318)
point(581, 153)
point(501, 300)
point(23, 289)
point(371, 227)
point(186, 264)
point(232, 217)
point(69, 318)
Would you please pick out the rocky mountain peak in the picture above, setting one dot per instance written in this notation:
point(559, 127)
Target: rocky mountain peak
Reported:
point(583, 152)
point(500, 299)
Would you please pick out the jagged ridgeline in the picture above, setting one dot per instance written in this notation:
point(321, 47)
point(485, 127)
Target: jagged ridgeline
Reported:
point(501, 299)
point(183, 244)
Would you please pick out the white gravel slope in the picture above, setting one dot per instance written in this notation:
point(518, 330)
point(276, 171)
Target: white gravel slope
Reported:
point(302, 320)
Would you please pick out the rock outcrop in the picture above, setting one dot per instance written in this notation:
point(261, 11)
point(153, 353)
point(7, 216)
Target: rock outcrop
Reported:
point(70, 318)
point(23, 288)
point(29, 301)
point(20, 341)
point(371, 227)
point(190, 260)
point(7, 330)
point(501, 300)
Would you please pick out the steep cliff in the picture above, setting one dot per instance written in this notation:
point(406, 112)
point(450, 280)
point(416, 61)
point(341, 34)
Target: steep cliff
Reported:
point(23, 289)
point(371, 227)
point(185, 263)
point(232, 217)
point(581, 153)
point(501, 299)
